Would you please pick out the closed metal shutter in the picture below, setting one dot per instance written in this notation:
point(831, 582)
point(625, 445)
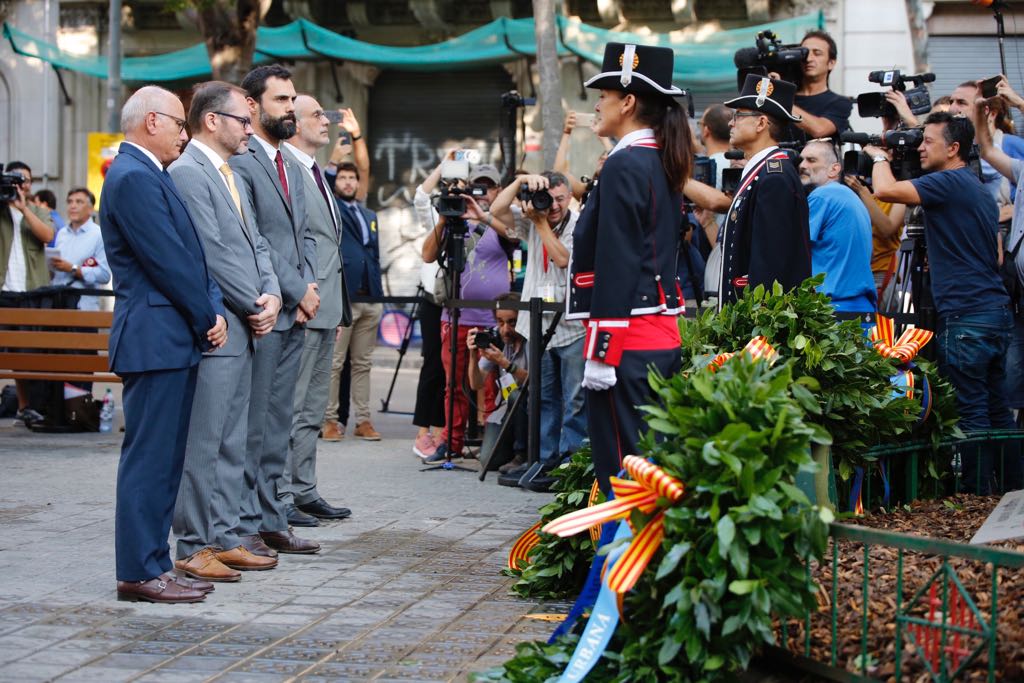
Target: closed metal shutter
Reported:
point(956, 59)
point(414, 118)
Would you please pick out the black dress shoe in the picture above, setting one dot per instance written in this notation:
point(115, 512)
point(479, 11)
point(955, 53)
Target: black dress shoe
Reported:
point(512, 477)
point(287, 542)
point(297, 517)
point(321, 509)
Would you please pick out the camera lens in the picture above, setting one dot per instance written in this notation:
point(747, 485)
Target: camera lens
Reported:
point(542, 200)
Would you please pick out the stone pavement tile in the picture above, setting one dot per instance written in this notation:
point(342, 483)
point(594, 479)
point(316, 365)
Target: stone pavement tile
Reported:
point(404, 674)
point(24, 673)
point(60, 656)
point(280, 667)
point(93, 674)
point(169, 676)
point(335, 672)
point(251, 677)
point(206, 664)
point(26, 645)
point(129, 661)
point(216, 649)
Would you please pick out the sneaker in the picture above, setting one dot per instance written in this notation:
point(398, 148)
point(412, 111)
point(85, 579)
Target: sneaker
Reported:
point(424, 446)
point(440, 455)
point(512, 477)
point(27, 416)
point(516, 461)
point(366, 432)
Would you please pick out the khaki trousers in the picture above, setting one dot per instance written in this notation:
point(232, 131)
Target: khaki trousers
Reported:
point(359, 339)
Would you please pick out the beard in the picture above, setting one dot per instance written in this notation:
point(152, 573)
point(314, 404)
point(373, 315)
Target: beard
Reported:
point(281, 128)
point(348, 197)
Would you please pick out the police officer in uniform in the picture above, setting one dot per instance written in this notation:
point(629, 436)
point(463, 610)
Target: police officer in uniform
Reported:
point(623, 282)
point(766, 236)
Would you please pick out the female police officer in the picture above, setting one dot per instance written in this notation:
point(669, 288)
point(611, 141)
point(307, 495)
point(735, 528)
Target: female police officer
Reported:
point(623, 280)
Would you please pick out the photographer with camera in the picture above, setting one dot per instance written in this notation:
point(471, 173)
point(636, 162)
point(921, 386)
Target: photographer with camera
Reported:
point(1013, 266)
point(545, 221)
point(840, 230)
point(822, 113)
point(960, 219)
point(501, 353)
point(484, 275)
point(766, 236)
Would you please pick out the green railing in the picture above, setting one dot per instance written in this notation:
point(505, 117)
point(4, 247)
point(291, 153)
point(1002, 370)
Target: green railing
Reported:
point(906, 465)
point(941, 619)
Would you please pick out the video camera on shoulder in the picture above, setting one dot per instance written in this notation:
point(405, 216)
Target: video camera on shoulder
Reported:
point(903, 143)
point(874, 104)
point(9, 184)
point(770, 55)
point(488, 338)
point(705, 170)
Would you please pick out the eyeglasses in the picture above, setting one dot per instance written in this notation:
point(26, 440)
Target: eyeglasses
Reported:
point(244, 120)
point(181, 122)
point(742, 114)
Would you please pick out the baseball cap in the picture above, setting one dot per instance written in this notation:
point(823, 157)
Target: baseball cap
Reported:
point(485, 171)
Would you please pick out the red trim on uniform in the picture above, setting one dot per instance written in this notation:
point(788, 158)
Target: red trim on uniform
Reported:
point(740, 281)
point(584, 280)
point(652, 332)
point(605, 339)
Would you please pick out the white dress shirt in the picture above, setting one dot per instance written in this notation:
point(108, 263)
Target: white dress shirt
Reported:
point(78, 246)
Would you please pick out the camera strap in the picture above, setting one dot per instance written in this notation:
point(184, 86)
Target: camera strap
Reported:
point(558, 233)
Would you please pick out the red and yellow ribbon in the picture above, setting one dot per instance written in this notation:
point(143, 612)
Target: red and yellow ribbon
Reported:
point(758, 348)
point(650, 489)
point(522, 547)
point(906, 347)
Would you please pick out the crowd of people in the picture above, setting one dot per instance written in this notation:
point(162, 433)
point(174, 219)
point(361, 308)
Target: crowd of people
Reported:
point(248, 283)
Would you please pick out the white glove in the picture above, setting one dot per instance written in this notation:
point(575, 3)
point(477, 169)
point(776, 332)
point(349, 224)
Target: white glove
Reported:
point(598, 376)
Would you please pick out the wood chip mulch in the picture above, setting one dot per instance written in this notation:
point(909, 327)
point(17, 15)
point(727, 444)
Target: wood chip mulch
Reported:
point(957, 520)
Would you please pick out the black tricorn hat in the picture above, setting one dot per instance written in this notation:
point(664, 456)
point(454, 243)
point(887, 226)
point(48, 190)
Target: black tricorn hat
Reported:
point(639, 69)
point(766, 95)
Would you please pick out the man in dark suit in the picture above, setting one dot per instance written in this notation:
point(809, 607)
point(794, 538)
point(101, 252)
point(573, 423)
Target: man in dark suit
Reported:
point(315, 367)
point(167, 312)
point(207, 511)
point(273, 182)
point(766, 237)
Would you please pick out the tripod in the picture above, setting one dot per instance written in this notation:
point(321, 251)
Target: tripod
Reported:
point(912, 289)
point(454, 262)
point(414, 315)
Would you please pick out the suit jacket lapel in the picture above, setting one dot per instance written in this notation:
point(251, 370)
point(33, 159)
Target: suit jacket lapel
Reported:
point(218, 180)
point(271, 170)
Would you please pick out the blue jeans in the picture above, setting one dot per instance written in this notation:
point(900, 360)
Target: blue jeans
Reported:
point(972, 355)
point(1015, 365)
point(563, 424)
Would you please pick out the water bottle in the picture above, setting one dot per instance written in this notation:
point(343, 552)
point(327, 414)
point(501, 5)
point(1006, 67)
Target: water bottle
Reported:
point(107, 412)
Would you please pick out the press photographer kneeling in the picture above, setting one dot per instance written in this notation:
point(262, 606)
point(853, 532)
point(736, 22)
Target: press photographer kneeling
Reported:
point(974, 320)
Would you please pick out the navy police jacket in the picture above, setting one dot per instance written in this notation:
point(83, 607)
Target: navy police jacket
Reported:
point(625, 248)
point(766, 235)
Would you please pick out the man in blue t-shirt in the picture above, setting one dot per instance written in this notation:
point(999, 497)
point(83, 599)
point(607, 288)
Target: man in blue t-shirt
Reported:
point(840, 231)
point(974, 315)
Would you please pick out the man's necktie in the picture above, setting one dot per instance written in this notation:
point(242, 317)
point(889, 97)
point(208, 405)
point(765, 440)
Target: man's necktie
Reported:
point(229, 175)
point(319, 178)
point(279, 160)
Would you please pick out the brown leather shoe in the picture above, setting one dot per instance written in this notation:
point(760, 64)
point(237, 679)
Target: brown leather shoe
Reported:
point(365, 431)
point(204, 565)
point(287, 542)
point(331, 430)
point(191, 584)
point(164, 588)
point(255, 545)
point(241, 559)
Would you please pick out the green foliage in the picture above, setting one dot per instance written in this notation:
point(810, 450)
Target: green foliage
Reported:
point(558, 566)
point(735, 545)
point(837, 368)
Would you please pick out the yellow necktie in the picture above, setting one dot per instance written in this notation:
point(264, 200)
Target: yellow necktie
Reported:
point(230, 177)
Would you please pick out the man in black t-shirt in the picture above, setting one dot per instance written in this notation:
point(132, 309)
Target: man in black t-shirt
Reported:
point(825, 114)
point(974, 317)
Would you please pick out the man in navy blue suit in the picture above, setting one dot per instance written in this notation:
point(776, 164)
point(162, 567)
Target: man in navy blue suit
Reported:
point(168, 311)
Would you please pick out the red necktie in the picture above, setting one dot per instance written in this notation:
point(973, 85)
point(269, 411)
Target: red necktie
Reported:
point(279, 160)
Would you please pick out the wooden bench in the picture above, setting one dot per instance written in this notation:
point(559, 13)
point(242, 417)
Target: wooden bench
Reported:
point(49, 353)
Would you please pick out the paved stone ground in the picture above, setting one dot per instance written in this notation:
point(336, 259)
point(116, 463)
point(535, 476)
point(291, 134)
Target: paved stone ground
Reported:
point(408, 589)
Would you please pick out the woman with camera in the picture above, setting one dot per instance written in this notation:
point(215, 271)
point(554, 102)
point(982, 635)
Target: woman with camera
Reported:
point(623, 280)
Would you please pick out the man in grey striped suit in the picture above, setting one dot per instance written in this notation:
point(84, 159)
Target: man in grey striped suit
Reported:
point(318, 351)
point(207, 510)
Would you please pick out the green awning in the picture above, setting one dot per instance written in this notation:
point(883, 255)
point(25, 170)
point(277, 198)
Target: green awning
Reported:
point(703, 61)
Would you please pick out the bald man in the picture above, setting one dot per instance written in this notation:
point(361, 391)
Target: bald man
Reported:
point(168, 311)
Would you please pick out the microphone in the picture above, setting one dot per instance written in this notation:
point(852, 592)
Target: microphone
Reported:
point(746, 57)
point(928, 77)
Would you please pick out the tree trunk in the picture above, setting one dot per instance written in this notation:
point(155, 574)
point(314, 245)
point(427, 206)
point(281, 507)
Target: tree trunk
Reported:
point(229, 30)
point(918, 34)
point(550, 90)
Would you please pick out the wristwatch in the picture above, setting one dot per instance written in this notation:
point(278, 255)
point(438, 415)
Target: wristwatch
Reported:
point(75, 269)
point(880, 157)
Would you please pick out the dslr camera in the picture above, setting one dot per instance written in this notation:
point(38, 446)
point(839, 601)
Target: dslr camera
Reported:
point(902, 142)
point(874, 104)
point(9, 184)
point(488, 338)
point(770, 55)
point(450, 202)
point(540, 199)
